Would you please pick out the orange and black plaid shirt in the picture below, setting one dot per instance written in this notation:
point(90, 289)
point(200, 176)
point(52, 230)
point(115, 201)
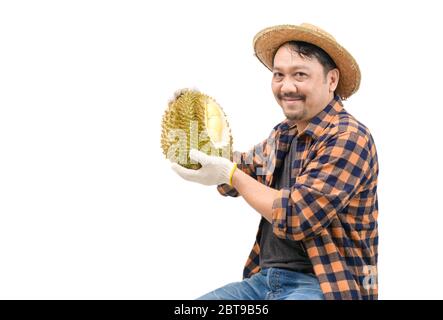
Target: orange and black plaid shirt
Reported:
point(332, 204)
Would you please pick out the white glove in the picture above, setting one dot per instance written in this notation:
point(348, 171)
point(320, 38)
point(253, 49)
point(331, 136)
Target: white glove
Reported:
point(214, 170)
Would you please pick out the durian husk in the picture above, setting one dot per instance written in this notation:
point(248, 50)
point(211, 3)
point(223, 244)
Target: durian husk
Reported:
point(184, 127)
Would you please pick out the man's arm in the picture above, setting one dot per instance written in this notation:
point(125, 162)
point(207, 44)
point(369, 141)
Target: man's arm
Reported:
point(256, 194)
point(324, 188)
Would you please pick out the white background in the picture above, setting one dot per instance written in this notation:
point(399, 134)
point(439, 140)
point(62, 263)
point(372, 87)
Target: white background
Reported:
point(89, 208)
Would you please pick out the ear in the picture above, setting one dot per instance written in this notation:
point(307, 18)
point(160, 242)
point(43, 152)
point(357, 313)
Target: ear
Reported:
point(333, 78)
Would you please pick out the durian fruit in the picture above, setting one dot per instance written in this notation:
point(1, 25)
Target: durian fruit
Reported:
point(194, 120)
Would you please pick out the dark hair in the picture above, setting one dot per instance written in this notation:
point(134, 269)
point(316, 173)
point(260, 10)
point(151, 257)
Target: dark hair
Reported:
point(310, 50)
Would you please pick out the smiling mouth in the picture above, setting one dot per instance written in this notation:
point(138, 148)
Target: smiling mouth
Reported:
point(291, 100)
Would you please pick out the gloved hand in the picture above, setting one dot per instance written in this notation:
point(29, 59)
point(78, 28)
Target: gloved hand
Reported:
point(214, 170)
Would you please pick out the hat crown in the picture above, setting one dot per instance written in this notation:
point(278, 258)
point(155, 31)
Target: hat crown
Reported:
point(318, 30)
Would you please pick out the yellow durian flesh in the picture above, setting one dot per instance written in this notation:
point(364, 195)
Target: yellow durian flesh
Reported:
point(216, 124)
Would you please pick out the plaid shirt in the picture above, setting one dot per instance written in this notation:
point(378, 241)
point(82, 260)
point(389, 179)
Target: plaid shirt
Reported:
point(332, 204)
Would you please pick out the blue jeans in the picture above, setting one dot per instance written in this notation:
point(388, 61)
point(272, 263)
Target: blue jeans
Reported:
point(270, 284)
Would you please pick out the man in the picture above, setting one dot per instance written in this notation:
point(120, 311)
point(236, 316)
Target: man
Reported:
point(314, 180)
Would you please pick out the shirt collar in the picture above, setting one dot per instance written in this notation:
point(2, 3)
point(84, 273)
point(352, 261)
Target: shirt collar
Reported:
point(319, 123)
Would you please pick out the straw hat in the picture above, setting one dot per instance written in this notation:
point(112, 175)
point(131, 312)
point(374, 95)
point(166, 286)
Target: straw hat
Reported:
point(267, 41)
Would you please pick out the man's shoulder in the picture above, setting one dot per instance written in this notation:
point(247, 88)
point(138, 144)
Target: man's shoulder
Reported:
point(346, 123)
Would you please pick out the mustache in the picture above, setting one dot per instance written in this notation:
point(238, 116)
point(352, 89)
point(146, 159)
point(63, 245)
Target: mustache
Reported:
point(291, 95)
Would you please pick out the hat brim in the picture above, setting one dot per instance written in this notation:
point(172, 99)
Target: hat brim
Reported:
point(267, 41)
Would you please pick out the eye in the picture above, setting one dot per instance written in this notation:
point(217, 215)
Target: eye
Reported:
point(278, 75)
point(300, 75)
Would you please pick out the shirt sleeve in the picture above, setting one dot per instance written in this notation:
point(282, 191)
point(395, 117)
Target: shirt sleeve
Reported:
point(334, 175)
point(248, 162)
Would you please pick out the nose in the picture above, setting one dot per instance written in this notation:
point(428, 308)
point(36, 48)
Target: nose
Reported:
point(288, 86)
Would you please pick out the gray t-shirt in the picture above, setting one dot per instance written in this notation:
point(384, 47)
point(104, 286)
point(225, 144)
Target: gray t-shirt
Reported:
point(283, 253)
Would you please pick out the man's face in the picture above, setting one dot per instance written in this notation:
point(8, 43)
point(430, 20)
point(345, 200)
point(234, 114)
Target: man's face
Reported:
point(300, 86)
